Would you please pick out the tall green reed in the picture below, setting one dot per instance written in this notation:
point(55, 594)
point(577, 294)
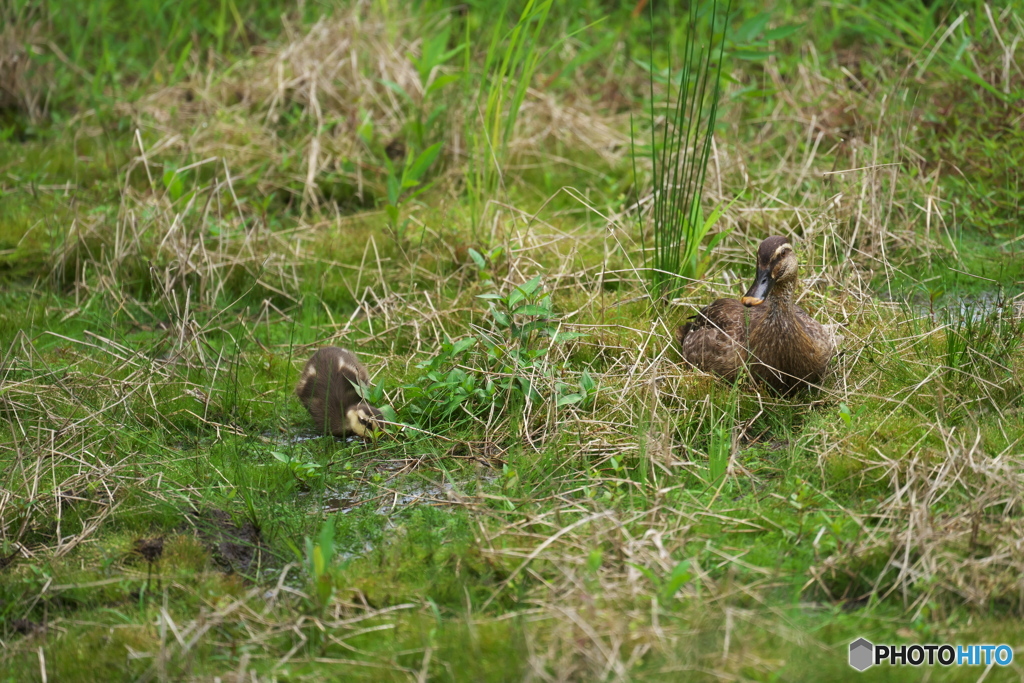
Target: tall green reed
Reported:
point(679, 159)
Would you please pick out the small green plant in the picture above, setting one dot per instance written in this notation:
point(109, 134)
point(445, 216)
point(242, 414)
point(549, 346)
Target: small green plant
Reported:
point(174, 183)
point(486, 263)
point(304, 472)
point(844, 414)
point(615, 487)
point(318, 560)
point(406, 184)
point(446, 390)
point(521, 318)
point(524, 315)
point(666, 587)
point(508, 357)
point(407, 163)
point(428, 107)
point(583, 393)
point(404, 180)
point(849, 416)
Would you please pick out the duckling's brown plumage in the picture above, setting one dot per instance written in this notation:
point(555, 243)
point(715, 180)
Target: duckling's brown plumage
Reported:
point(766, 330)
point(327, 388)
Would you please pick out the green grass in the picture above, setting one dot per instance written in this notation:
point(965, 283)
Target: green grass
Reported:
point(202, 193)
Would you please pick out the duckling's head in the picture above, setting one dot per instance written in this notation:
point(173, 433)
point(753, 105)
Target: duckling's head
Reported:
point(364, 420)
point(776, 266)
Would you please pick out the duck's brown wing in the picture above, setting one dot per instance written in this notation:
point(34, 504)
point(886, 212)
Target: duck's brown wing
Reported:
point(821, 336)
point(714, 340)
point(821, 348)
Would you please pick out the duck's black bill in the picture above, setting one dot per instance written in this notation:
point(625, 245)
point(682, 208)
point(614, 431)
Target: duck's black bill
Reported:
point(758, 291)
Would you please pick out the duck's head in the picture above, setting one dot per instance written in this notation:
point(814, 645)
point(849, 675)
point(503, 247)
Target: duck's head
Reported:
point(776, 265)
point(364, 420)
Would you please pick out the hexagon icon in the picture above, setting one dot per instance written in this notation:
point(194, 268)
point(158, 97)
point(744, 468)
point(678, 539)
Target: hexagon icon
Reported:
point(861, 654)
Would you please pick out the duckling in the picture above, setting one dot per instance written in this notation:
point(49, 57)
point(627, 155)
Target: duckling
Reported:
point(765, 330)
point(328, 390)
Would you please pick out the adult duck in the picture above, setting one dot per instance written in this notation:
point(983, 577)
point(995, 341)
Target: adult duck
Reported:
point(765, 331)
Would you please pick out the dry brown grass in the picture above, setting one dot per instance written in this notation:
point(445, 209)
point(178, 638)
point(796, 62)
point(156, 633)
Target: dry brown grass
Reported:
point(948, 534)
point(20, 86)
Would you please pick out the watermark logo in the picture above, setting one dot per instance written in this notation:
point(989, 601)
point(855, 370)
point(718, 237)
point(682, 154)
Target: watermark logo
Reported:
point(865, 654)
point(862, 653)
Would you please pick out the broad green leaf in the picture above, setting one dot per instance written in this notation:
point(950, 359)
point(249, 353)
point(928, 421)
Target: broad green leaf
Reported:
point(532, 309)
point(542, 325)
point(423, 162)
point(463, 344)
point(394, 191)
point(679, 576)
point(182, 58)
point(319, 564)
point(752, 27)
point(753, 55)
point(478, 258)
point(752, 92)
point(530, 287)
point(365, 130)
point(500, 318)
point(586, 381)
point(174, 184)
point(536, 353)
point(782, 31)
point(440, 82)
point(515, 297)
point(451, 53)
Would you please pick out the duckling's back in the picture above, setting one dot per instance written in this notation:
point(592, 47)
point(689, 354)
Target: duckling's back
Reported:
point(327, 387)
